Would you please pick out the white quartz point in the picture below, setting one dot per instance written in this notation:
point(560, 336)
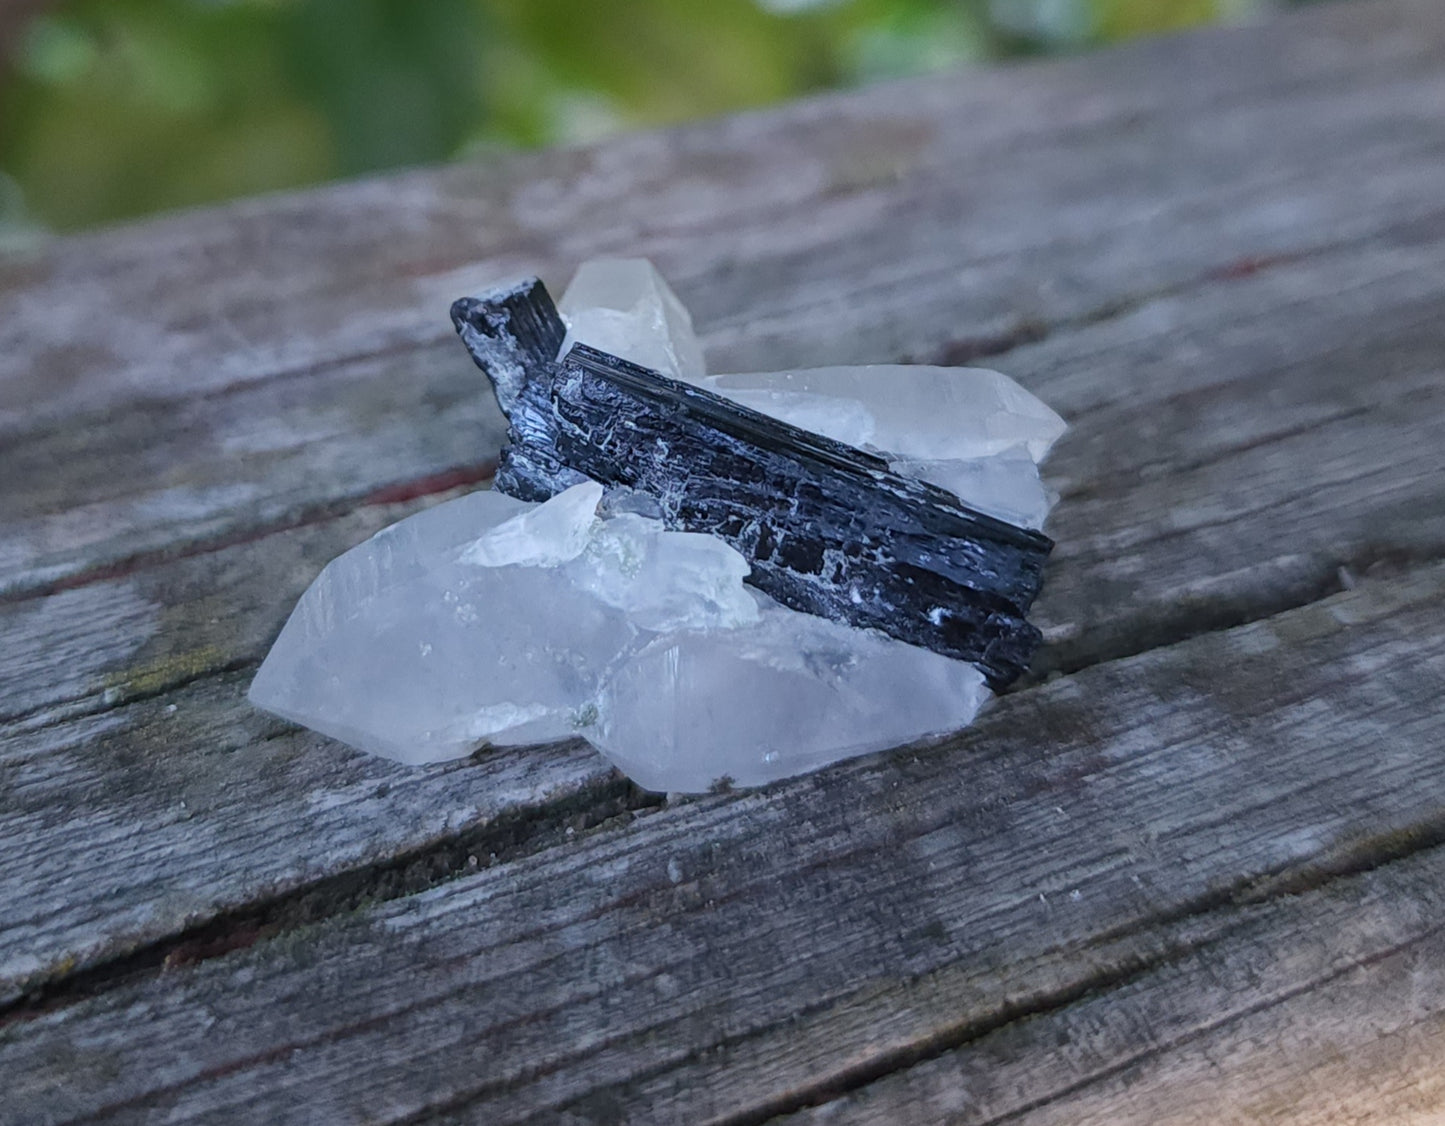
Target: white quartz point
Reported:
point(625, 307)
point(421, 643)
point(387, 649)
point(788, 694)
point(543, 536)
point(910, 411)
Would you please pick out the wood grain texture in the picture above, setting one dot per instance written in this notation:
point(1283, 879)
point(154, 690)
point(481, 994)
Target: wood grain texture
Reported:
point(157, 480)
point(946, 177)
point(138, 769)
point(1221, 257)
point(1205, 516)
point(947, 217)
point(1323, 1007)
point(734, 956)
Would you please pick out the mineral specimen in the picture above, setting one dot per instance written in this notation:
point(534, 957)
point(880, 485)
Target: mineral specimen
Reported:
point(910, 410)
point(492, 620)
point(613, 613)
point(787, 694)
point(973, 431)
point(514, 335)
point(828, 528)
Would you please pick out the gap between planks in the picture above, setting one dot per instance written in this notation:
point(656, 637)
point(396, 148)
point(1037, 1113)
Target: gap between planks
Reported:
point(1318, 582)
point(1204, 984)
point(984, 115)
point(1371, 653)
point(609, 800)
point(515, 833)
point(1096, 483)
point(1398, 194)
point(954, 352)
point(1305, 583)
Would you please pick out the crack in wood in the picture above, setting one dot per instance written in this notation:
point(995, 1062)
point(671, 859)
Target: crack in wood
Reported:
point(1162, 1048)
point(1327, 576)
point(530, 830)
point(1361, 856)
point(432, 484)
point(1255, 893)
point(1271, 891)
point(508, 837)
point(1132, 967)
point(963, 350)
point(1259, 315)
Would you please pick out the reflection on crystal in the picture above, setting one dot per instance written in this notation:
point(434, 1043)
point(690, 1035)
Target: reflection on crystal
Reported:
point(909, 411)
point(424, 660)
point(645, 642)
point(543, 536)
point(665, 580)
point(418, 646)
point(623, 306)
point(1005, 485)
point(826, 527)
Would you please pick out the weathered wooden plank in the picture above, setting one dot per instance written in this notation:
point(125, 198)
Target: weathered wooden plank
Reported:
point(165, 481)
point(163, 478)
point(1250, 362)
point(157, 480)
point(128, 726)
point(192, 304)
point(118, 834)
point(744, 953)
point(1323, 1007)
point(1200, 517)
point(972, 231)
point(153, 629)
point(1313, 343)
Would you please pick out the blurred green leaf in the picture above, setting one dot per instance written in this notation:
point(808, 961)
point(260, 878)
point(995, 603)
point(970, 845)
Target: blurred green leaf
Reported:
point(397, 80)
point(113, 108)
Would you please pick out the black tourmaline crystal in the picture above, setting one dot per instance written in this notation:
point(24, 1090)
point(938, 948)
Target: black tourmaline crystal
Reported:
point(828, 528)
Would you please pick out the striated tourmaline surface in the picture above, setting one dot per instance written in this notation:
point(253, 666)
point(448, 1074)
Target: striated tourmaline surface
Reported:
point(827, 528)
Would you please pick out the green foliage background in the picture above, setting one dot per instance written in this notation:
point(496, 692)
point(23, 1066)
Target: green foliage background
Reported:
point(113, 108)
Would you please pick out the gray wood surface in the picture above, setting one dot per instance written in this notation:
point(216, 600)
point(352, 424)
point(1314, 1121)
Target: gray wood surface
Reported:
point(1257, 1021)
point(731, 957)
point(1220, 256)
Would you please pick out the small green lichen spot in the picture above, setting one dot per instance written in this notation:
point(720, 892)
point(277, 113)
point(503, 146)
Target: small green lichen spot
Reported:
point(156, 676)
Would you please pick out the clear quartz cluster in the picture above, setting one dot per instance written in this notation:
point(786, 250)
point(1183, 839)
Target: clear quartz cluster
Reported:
point(490, 620)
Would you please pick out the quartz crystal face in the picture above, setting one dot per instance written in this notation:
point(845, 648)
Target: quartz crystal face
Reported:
point(826, 527)
point(496, 620)
point(787, 694)
point(908, 410)
point(972, 431)
point(623, 306)
point(430, 638)
point(405, 648)
point(1005, 484)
